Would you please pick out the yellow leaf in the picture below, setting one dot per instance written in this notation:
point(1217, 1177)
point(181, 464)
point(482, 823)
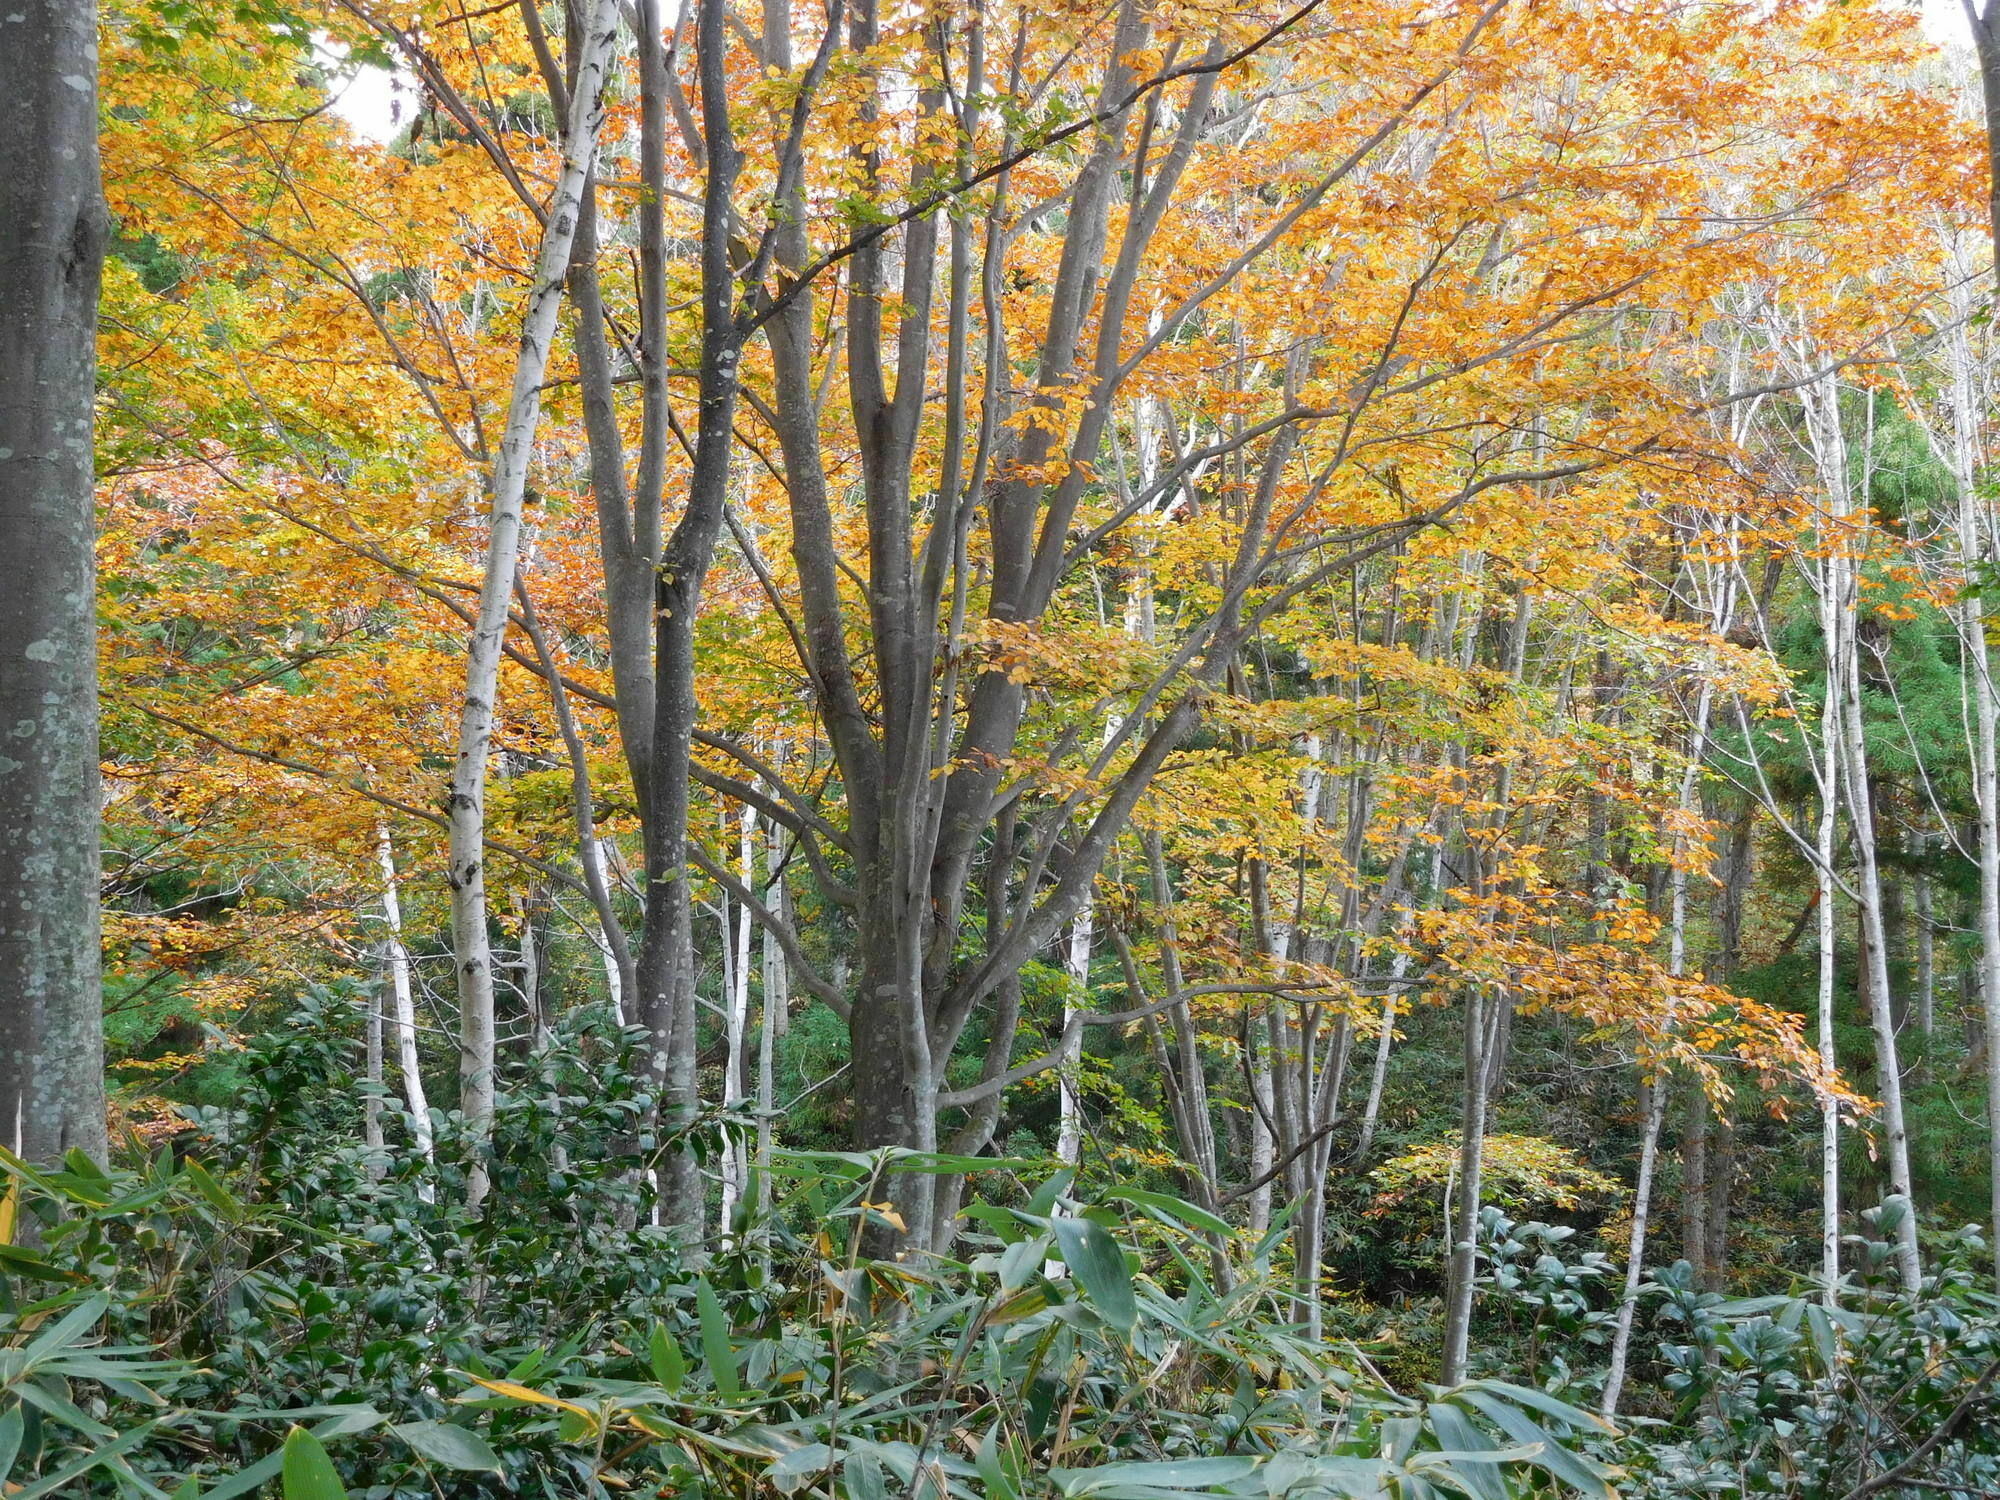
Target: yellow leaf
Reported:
point(888, 1212)
point(522, 1393)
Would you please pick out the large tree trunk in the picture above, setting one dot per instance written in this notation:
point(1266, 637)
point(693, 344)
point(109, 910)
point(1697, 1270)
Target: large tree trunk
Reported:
point(52, 233)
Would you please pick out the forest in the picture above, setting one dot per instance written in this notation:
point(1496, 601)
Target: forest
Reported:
point(1009, 750)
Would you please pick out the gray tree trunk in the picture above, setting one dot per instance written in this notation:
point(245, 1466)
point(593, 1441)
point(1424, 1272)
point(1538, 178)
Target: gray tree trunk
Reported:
point(52, 233)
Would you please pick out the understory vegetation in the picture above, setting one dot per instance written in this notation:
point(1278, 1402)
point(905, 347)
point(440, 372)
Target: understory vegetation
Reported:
point(296, 1313)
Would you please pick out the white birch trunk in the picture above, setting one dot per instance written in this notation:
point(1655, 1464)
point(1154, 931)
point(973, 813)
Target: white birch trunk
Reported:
point(398, 957)
point(771, 1023)
point(1385, 1041)
point(1823, 420)
point(736, 1028)
point(471, 945)
point(614, 976)
point(1721, 616)
point(777, 979)
point(1975, 544)
point(1076, 964)
point(1462, 1218)
point(1642, 1202)
point(1828, 836)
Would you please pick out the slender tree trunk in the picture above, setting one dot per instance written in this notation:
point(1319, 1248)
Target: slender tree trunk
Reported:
point(617, 959)
point(1975, 545)
point(1721, 1178)
point(1385, 1040)
point(1975, 529)
point(472, 951)
point(52, 234)
point(1076, 964)
point(1656, 1090)
point(529, 968)
point(371, 1104)
point(397, 958)
point(736, 1024)
point(1881, 1009)
point(1829, 959)
point(1694, 1184)
point(1635, 1251)
point(777, 898)
point(1926, 963)
point(1263, 1100)
point(770, 1024)
point(1463, 1265)
point(1827, 435)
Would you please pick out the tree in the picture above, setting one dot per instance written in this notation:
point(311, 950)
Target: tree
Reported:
point(52, 236)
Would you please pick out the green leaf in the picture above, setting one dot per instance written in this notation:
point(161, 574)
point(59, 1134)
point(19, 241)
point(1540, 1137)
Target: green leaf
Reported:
point(1098, 1263)
point(1826, 1342)
point(1467, 1445)
point(1022, 1304)
point(1021, 1260)
point(1129, 1478)
point(1543, 1402)
point(799, 1467)
point(347, 1417)
point(1177, 1210)
point(715, 1345)
point(902, 1159)
point(863, 1471)
point(449, 1444)
point(18, 1262)
point(79, 1162)
point(60, 1335)
point(10, 1440)
point(1565, 1467)
point(224, 1202)
point(669, 1367)
point(992, 1468)
point(58, 1482)
point(309, 1473)
point(1043, 1202)
point(61, 1408)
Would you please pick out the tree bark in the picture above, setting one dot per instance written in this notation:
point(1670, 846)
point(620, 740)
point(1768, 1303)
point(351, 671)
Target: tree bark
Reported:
point(1635, 1252)
point(1462, 1265)
point(397, 958)
point(1975, 545)
point(371, 1103)
point(52, 236)
point(1829, 960)
point(472, 949)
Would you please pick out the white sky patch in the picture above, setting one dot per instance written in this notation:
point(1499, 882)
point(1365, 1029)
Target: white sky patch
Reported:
point(373, 101)
point(1944, 22)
